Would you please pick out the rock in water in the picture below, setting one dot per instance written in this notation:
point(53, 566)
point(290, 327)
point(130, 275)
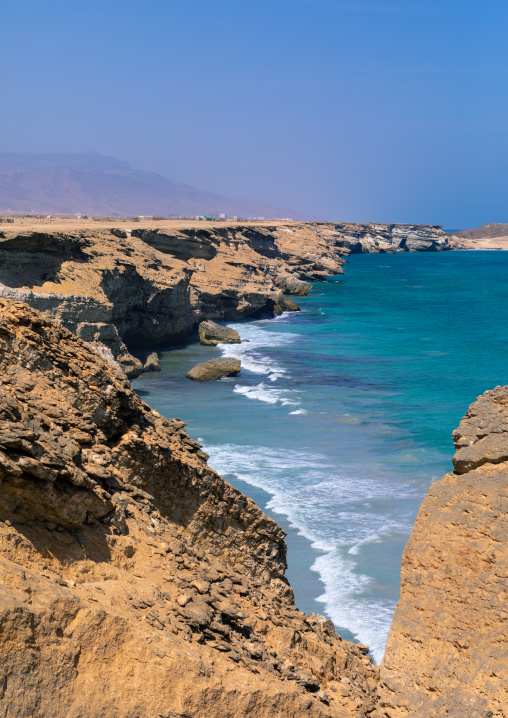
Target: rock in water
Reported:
point(152, 363)
point(135, 581)
point(131, 366)
point(278, 303)
point(215, 369)
point(447, 653)
point(211, 333)
point(289, 284)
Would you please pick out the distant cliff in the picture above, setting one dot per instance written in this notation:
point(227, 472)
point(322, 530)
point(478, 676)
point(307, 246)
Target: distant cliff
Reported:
point(154, 282)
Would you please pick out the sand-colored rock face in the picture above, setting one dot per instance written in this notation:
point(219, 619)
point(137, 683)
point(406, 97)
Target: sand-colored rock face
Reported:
point(447, 653)
point(134, 580)
point(153, 283)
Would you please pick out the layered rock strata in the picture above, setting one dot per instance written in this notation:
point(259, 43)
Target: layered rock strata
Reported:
point(389, 238)
point(447, 653)
point(154, 284)
point(134, 580)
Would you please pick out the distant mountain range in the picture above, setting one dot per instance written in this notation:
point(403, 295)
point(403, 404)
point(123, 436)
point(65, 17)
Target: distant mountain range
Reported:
point(94, 184)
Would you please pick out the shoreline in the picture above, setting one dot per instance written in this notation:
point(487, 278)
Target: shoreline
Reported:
point(207, 592)
point(318, 582)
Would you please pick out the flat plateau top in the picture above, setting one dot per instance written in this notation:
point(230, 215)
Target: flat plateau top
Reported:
point(61, 225)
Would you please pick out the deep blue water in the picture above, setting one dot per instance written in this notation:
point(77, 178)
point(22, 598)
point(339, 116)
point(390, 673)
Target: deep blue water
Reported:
point(342, 415)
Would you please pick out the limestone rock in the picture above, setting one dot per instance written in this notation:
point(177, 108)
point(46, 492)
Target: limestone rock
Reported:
point(131, 575)
point(278, 304)
point(289, 284)
point(447, 653)
point(131, 365)
point(211, 333)
point(215, 369)
point(156, 283)
point(389, 238)
point(152, 363)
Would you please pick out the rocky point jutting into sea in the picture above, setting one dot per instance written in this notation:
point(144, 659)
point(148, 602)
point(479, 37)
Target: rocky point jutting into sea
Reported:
point(135, 581)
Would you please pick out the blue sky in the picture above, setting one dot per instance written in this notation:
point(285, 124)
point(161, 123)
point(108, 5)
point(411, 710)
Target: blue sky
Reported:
point(375, 110)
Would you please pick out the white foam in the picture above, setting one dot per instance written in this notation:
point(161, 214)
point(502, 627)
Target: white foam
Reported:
point(256, 361)
point(332, 509)
point(263, 392)
point(367, 619)
point(298, 411)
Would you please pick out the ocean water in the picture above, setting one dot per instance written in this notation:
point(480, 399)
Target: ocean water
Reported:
point(342, 415)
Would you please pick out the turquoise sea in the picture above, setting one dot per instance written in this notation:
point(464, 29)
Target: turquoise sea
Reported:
point(342, 415)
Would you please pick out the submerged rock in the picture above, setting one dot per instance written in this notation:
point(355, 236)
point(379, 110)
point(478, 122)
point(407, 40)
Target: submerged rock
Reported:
point(215, 369)
point(152, 363)
point(211, 333)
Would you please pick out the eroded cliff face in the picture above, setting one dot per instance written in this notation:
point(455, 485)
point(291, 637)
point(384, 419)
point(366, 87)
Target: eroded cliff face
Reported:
point(383, 238)
point(447, 653)
point(154, 284)
point(134, 580)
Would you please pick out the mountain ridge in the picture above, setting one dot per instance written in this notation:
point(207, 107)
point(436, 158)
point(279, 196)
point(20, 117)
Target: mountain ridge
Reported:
point(94, 184)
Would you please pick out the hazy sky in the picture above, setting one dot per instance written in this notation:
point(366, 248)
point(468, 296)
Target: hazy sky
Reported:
point(375, 110)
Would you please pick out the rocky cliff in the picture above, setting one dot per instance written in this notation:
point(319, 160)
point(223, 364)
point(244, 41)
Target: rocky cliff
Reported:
point(134, 580)
point(447, 653)
point(371, 238)
point(156, 282)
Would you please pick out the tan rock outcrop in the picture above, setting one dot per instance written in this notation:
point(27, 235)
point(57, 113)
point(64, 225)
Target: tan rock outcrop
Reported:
point(447, 653)
point(134, 580)
point(211, 334)
point(215, 369)
point(152, 363)
point(157, 282)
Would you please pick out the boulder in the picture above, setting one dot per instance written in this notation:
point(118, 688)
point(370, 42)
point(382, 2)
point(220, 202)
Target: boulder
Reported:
point(278, 303)
point(130, 365)
point(152, 363)
point(211, 334)
point(214, 369)
point(290, 284)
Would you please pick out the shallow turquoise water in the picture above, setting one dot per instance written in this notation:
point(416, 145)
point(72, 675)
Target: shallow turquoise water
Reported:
point(342, 415)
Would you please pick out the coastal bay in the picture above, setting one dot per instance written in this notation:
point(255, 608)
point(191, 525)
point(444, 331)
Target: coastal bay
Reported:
point(343, 414)
point(336, 424)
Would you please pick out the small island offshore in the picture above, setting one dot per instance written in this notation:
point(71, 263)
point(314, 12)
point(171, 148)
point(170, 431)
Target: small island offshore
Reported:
point(138, 582)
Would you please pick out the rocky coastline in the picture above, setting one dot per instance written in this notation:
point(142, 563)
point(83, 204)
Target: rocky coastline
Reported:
point(153, 284)
point(135, 580)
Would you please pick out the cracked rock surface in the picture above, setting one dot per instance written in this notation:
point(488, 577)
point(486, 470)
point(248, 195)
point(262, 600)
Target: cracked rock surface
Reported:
point(447, 653)
point(134, 581)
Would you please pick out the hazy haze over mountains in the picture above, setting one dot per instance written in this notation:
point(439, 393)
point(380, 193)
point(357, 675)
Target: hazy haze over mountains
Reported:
point(96, 184)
